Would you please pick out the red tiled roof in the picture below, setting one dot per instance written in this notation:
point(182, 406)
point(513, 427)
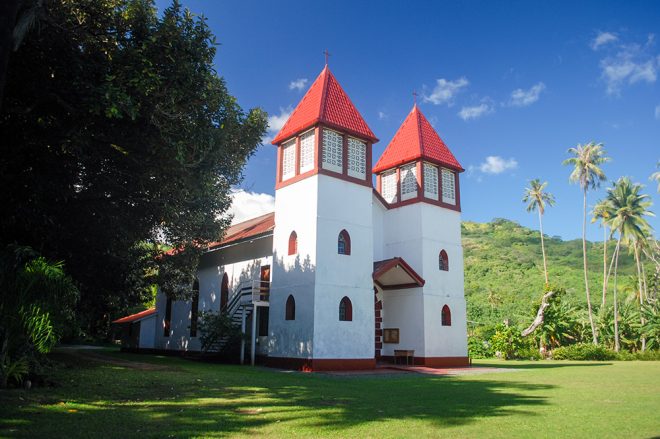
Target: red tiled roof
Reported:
point(325, 102)
point(247, 229)
point(135, 317)
point(416, 139)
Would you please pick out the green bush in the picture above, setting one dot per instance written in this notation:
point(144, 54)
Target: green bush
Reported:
point(639, 356)
point(479, 348)
point(527, 353)
point(583, 352)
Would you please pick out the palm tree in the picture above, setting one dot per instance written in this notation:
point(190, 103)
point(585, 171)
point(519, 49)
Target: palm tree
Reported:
point(628, 209)
point(587, 173)
point(536, 198)
point(656, 176)
point(602, 212)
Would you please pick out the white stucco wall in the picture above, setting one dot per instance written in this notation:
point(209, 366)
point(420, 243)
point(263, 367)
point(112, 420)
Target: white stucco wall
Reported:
point(242, 263)
point(295, 210)
point(403, 309)
point(418, 232)
point(148, 332)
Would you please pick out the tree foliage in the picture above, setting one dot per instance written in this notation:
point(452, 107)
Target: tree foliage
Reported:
point(117, 135)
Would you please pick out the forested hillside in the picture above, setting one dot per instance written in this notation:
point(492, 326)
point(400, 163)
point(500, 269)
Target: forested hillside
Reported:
point(504, 271)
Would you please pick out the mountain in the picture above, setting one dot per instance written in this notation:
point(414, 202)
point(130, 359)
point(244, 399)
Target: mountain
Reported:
point(504, 271)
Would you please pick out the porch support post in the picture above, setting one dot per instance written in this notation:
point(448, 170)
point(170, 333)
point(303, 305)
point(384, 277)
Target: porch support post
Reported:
point(253, 347)
point(243, 333)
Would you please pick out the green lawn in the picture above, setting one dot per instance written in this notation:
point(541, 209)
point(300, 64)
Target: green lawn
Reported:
point(189, 399)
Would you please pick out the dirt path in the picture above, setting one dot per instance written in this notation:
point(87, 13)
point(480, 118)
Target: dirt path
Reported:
point(92, 353)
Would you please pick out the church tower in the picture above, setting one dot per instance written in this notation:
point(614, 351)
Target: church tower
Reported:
point(418, 177)
point(321, 304)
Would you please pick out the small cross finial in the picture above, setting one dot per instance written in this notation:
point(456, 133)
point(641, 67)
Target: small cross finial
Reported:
point(415, 96)
point(327, 54)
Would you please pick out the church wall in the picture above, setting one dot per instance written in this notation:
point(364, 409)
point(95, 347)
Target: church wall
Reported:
point(344, 205)
point(295, 209)
point(402, 309)
point(242, 263)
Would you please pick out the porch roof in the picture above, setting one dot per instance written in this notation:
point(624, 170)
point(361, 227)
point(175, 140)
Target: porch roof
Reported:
point(396, 274)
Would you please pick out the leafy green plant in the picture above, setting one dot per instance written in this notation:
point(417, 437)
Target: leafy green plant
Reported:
point(218, 332)
point(583, 352)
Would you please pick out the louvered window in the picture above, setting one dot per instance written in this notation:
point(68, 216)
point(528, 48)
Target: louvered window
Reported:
point(332, 151)
point(430, 181)
point(307, 151)
point(357, 158)
point(408, 181)
point(388, 186)
point(448, 187)
point(288, 159)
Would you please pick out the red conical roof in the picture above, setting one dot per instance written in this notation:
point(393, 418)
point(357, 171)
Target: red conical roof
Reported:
point(416, 139)
point(325, 102)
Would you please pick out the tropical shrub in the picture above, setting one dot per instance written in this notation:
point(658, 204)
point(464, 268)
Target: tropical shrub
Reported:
point(218, 332)
point(37, 302)
point(583, 352)
point(653, 355)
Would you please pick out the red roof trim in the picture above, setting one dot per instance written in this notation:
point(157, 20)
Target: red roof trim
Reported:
point(251, 228)
point(135, 317)
point(382, 267)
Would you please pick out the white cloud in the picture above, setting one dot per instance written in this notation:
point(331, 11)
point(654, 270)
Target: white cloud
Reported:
point(474, 112)
point(276, 122)
point(382, 115)
point(629, 64)
point(299, 84)
point(603, 38)
point(523, 98)
point(496, 165)
point(246, 205)
point(657, 112)
point(444, 91)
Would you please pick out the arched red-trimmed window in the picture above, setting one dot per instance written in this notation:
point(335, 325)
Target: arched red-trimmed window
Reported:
point(443, 261)
point(344, 243)
point(224, 291)
point(293, 243)
point(345, 310)
point(290, 312)
point(446, 316)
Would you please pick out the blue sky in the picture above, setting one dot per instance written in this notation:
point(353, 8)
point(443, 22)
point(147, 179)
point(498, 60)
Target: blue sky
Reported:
point(509, 86)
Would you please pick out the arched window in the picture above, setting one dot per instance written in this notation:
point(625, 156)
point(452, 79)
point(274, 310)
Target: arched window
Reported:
point(446, 316)
point(293, 243)
point(344, 243)
point(224, 291)
point(345, 310)
point(443, 261)
point(290, 313)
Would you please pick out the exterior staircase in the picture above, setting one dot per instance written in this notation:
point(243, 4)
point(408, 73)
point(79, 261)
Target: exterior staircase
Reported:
point(246, 296)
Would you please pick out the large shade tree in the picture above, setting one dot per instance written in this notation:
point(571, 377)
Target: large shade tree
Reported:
point(586, 161)
point(537, 198)
point(118, 134)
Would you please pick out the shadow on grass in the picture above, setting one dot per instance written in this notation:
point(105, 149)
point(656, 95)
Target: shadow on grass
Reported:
point(210, 400)
point(539, 365)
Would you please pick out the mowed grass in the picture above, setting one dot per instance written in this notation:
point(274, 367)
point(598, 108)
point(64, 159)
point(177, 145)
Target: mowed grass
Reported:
point(190, 399)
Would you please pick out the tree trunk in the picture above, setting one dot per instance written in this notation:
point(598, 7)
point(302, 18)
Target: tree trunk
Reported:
point(616, 305)
point(545, 264)
point(606, 275)
point(639, 285)
point(540, 314)
point(584, 260)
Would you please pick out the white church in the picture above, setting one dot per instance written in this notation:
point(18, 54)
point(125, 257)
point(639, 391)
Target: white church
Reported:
point(340, 275)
